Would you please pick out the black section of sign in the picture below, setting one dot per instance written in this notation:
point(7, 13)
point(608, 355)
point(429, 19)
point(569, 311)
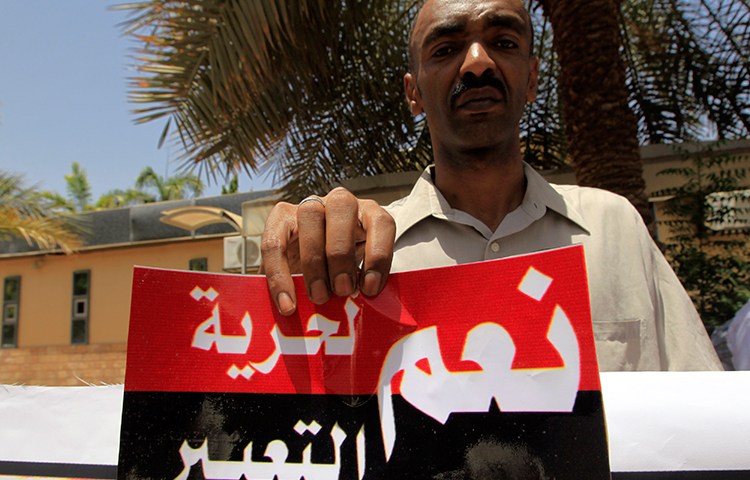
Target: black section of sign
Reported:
point(109, 472)
point(692, 475)
point(57, 470)
point(469, 446)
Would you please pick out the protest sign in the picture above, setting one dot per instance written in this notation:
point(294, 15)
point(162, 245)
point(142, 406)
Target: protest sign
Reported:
point(471, 371)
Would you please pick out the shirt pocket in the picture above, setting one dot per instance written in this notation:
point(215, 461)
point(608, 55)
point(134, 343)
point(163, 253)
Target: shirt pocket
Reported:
point(618, 344)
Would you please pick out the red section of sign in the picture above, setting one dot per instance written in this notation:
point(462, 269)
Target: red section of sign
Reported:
point(201, 332)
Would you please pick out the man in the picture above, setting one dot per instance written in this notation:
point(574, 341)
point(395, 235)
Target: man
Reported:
point(471, 73)
point(738, 338)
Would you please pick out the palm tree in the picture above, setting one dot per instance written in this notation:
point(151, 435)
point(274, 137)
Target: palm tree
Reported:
point(601, 129)
point(688, 68)
point(122, 198)
point(233, 186)
point(79, 189)
point(170, 188)
point(647, 71)
point(28, 213)
point(316, 86)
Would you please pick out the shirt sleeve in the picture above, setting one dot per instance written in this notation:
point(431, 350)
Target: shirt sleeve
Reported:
point(684, 344)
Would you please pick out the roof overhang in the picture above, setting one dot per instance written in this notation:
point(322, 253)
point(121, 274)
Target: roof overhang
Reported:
point(194, 217)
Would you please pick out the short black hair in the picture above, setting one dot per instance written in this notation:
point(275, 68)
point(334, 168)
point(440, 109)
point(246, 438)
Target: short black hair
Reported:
point(411, 47)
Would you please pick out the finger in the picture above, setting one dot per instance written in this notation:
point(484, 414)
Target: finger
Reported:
point(342, 222)
point(311, 223)
point(380, 230)
point(278, 236)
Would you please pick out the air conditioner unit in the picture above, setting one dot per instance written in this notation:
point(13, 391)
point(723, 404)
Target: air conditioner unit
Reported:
point(731, 210)
point(233, 252)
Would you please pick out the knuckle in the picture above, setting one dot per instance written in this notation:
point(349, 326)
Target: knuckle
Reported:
point(379, 253)
point(339, 252)
point(270, 244)
point(340, 195)
point(379, 259)
point(375, 215)
point(281, 216)
point(339, 191)
point(275, 280)
point(280, 210)
point(311, 262)
point(383, 217)
point(311, 209)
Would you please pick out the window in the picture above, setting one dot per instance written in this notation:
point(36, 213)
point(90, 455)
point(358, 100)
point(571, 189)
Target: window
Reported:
point(11, 300)
point(79, 331)
point(198, 264)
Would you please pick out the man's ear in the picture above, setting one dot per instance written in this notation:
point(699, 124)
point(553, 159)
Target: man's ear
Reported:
point(412, 94)
point(533, 79)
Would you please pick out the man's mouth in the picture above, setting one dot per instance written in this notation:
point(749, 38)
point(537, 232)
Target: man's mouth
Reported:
point(478, 99)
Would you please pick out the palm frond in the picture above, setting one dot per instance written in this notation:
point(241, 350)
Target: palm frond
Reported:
point(30, 214)
point(688, 68)
point(316, 87)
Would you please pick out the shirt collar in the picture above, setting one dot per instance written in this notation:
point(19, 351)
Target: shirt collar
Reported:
point(426, 200)
point(540, 190)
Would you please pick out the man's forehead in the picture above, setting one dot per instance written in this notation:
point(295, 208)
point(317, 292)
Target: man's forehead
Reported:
point(436, 14)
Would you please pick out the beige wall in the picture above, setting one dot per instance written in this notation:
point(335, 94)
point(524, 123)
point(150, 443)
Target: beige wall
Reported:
point(660, 157)
point(44, 355)
point(657, 158)
point(63, 365)
point(46, 287)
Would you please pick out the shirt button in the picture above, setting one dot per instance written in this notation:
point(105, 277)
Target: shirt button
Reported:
point(495, 247)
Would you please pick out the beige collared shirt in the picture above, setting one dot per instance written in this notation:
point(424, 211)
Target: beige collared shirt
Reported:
point(643, 319)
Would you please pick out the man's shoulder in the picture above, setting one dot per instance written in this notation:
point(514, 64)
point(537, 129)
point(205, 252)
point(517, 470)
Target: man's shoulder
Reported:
point(580, 204)
point(591, 200)
point(601, 212)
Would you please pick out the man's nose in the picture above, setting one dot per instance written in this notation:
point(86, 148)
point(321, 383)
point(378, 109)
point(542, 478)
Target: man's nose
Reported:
point(477, 60)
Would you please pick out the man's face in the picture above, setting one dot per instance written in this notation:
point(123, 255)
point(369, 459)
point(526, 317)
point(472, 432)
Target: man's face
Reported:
point(473, 72)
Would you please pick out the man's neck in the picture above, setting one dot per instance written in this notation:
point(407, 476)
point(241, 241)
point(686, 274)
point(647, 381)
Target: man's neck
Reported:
point(481, 184)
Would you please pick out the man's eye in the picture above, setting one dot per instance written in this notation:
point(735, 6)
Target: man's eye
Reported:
point(442, 51)
point(505, 43)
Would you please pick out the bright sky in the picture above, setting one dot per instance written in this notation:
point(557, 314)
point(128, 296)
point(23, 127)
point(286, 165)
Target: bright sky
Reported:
point(64, 69)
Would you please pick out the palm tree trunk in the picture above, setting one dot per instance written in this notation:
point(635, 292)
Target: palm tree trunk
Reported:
point(600, 127)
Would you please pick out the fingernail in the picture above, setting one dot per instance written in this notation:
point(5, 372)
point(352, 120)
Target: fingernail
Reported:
point(285, 303)
point(318, 292)
point(343, 285)
point(371, 283)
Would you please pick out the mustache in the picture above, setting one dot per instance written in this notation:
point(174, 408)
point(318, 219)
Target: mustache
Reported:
point(488, 79)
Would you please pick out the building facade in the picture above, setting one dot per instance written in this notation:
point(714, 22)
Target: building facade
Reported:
point(65, 317)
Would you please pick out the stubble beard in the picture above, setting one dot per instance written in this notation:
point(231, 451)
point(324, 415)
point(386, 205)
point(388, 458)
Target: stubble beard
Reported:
point(479, 147)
